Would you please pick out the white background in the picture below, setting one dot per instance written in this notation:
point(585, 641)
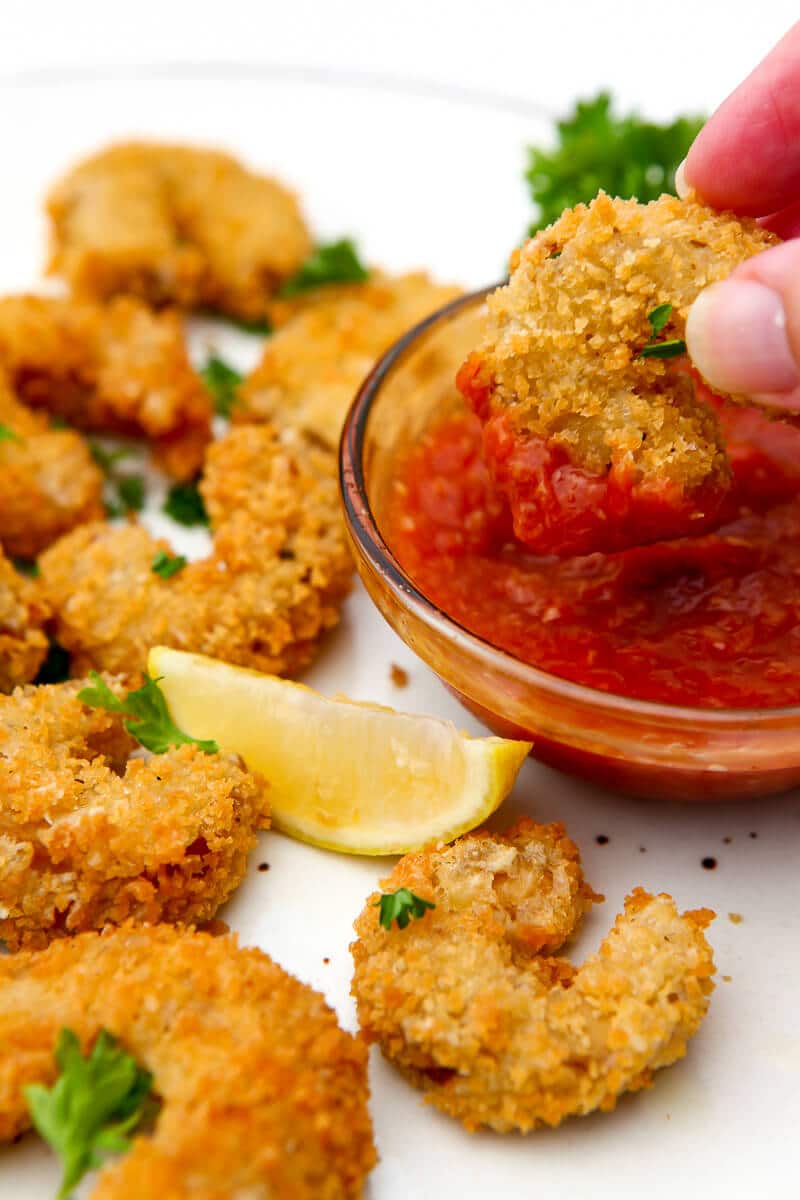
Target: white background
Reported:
point(430, 174)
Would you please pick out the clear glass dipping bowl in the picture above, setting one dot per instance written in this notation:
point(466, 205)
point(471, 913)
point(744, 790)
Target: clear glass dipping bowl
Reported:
point(646, 749)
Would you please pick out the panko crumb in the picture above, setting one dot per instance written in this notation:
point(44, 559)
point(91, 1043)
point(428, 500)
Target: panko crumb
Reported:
point(398, 676)
point(262, 1094)
point(175, 224)
point(89, 836)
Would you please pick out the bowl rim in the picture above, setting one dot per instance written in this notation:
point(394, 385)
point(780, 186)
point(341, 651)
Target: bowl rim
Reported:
point(364, 529)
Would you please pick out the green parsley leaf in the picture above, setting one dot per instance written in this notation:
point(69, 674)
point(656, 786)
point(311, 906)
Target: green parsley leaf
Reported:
point(130, 489)
point(333, 262)
point(596, 148)
point(671, 349)
point(148, 716)
point(166, 565)
point(55, 668)
point(401, 906)
point(658, 318)
point(222, 381)
point(27, 566)
point(92, 1108)
point(185, 504)
point(124, 493)
point(7, 434)
point(108, 459)
point(258, 326)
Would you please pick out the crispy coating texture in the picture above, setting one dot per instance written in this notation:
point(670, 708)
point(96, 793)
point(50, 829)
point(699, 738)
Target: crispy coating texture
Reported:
point(272, 585)
point(494, 1031)
point(263, 1095)
point(118, 368)
point(89, 837)
point(175, 224)
point(327, 345)
point(575, 417)
point(564, 335)
point(23, 613)
point(48, 481)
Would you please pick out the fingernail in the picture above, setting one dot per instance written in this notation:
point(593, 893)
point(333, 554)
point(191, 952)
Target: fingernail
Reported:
point(681, 186)
point(736, 337)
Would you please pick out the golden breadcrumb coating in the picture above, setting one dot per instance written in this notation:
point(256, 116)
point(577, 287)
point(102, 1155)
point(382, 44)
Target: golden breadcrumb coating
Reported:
point(118, 368)
point(175, 224)
point(270, 588)
point(313, 365)
point(23, 613)
point(262, 1094)
point(595, 446)
point(493, 1031)
point(88, 837)
point(563, 337)
point(48, 481)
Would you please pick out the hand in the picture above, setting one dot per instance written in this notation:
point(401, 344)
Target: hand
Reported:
point(744, 334)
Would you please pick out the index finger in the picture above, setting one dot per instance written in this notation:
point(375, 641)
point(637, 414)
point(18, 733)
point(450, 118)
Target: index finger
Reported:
point(747, 156)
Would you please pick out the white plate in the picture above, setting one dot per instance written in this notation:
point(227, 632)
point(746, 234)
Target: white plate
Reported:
point(435, 180)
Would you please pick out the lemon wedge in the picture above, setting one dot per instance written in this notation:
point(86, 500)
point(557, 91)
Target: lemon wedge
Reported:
point(352, 777)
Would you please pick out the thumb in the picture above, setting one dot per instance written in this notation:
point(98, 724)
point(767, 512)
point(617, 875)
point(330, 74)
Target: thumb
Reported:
point(743, 334)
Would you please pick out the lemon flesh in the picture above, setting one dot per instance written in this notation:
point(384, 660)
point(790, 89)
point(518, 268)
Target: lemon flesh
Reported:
point(352, 777)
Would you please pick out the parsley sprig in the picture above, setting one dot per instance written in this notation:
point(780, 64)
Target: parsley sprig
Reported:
point(332, 262)
point(401, 906)
point(222, 381)
point(185, 504)
point(7, 434)
point(148, 718)
point(124, 491)
point(596, 148)
point(672, 347)
point(166, 565)
point(93, 1107)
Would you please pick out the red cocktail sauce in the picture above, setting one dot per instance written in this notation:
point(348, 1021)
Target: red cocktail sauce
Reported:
point(710, 621)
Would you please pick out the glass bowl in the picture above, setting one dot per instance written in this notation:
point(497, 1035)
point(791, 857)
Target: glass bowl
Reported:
point(633, 746)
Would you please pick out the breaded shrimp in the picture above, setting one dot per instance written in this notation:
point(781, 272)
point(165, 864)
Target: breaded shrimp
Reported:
point(270, 588)
point(23, 612)
point(48, 481)
point(262, 1094)
point(175, 225)
point(596, 447)
point(493, 1031)
point(118, 368)
point(88, 837)
point(313, 365)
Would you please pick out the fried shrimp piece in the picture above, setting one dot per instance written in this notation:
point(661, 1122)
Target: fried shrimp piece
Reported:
point(597, 447)
point(88, 837)
point(23, 613)
point(262, 1094)
point(495, 1033)
point(118, 368)
point(48, 481)
point(272, 585)
point(313, 365)
point(175, 225)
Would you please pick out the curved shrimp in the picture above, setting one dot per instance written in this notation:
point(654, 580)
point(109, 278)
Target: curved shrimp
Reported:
point(494, 1031)
point(23, 613)
point(262, 1093)
point(48, 481)
point(272, 585)
point(598, 441)
point(175, 224)
point(89, 837)
point(118, 368)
